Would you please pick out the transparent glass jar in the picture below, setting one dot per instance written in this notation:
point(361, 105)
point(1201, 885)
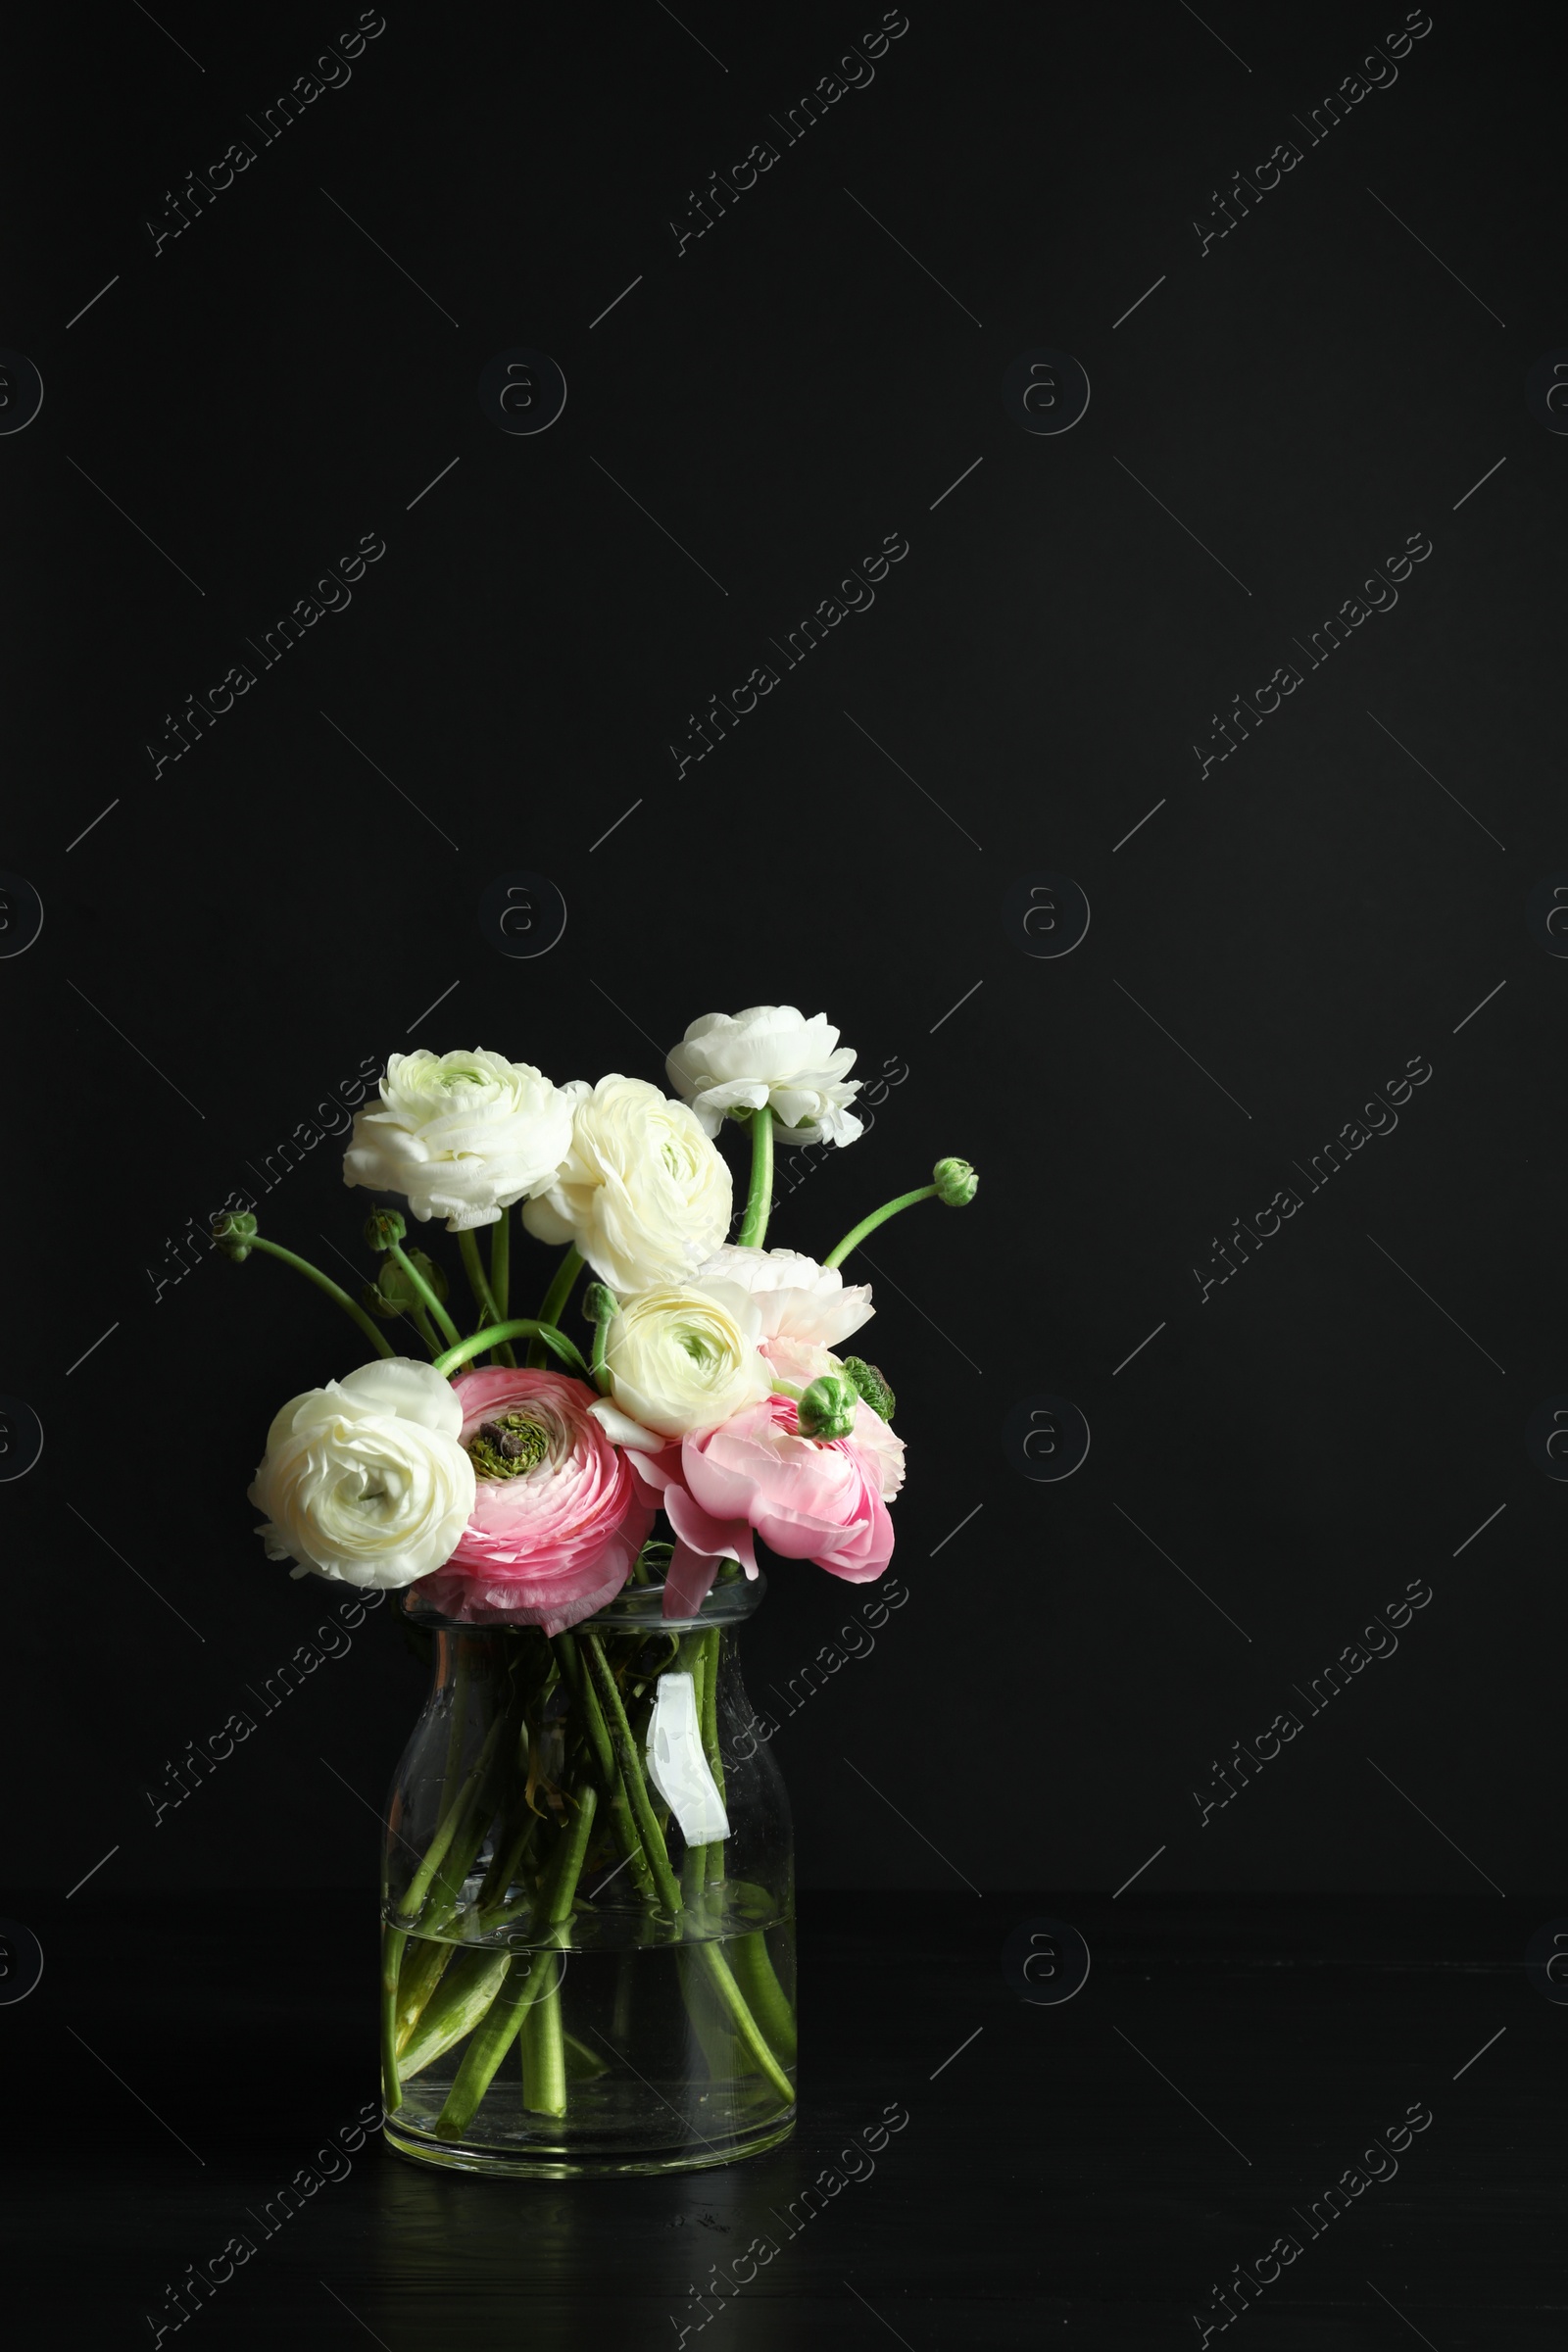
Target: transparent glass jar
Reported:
point(569, 1985)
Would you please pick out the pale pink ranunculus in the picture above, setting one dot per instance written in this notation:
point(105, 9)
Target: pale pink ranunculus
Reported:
point(550, 1546)
point(798, 1361)
point(808, 1498)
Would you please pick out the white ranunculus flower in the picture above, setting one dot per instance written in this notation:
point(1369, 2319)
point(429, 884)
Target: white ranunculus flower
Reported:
point(460, 1136)
point(795, 1297)
point(683, 1359)
point(769, 1054)
point(641, 1191)
point(364, 1481)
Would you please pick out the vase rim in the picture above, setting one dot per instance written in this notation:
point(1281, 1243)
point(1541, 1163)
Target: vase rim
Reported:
point(636, 1608)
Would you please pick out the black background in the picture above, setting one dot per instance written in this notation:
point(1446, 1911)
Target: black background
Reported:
point(229, 940)
point(246, 927)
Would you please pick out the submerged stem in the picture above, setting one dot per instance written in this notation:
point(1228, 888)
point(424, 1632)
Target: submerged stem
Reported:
point(521, 1988)
point(393, 1941)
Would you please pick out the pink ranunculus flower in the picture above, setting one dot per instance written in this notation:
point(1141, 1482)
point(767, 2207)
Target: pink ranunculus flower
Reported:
point(557, 1541)
point(800, 1362)
point(808, 1498)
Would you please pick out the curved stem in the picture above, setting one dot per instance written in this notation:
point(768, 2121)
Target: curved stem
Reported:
point(424, 1326)
point(759, 1199)
point(517, 1327)
point(484, 1297)
point(553, 1304)
point(323, 1281)
point(423, 1293)
point(879, 1216)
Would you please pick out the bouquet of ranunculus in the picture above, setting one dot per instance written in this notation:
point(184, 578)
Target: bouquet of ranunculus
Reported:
point(510, 1482)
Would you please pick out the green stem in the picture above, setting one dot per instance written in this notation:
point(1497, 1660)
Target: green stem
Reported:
point(757, 1979)
point(423, 1293)
point(435, 1853)
point(323, 1281)
point(516, 1836)
point(424, 1326)
point(557, 1297)
point(501, 1262)
point(759, 1199)
point(714, 1966)
point(446, 1888)
point(708, 1713)
point(518, 1995)
point(693, 1660)
point(543, 2055)
point(655, 1850)
point(715, 2035)
point(603, 1753)
point(582, 2063)
point(419, 1974)
point(879, 1216)
point(393, 1941)
point(517, 1327)
point(484, 1299)
point(464, 1996)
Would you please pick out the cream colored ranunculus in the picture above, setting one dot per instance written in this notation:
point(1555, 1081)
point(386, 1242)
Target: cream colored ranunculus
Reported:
point(641, 1191)
point(364, 1481)
point(682, 1359)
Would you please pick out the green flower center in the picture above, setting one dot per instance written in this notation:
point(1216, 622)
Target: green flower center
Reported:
point(509, 1447)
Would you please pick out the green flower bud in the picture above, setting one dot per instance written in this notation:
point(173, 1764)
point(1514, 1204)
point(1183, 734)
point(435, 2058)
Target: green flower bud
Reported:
point(600, 1303)
point(375, 1302)
point(827, 1408)
point(383, 1227)
point(234, 1233)
point(870, 1385)
point(955, 1180)
point(397, 1292)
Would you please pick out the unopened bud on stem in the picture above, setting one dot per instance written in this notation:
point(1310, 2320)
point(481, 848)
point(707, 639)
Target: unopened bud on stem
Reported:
point(234, 1233)
point(827, 1408)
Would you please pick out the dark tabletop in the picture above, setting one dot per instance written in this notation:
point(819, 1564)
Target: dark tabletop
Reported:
point(1085, 2171)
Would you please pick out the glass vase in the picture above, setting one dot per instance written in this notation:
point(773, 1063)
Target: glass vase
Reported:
point(570, 1983)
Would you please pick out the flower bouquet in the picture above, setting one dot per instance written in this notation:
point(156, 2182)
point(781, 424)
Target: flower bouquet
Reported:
point(588, 1896)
